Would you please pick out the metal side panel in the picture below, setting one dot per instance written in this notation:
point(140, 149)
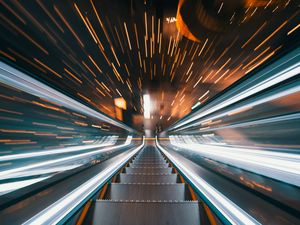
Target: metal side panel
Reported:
point(134, 191)
point(146, 213)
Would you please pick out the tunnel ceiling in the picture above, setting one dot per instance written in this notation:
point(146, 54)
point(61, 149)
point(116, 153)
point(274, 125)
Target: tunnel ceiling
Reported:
point(96, 51)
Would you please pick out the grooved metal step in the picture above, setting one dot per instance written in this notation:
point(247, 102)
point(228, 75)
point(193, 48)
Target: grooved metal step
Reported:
point(130, 170)
point(145, 213)
point(137, 166)
point(148, 164)
point(133, 178)
point(154, 191)
point(146, 193)
point(160, 160)
point(150, 156)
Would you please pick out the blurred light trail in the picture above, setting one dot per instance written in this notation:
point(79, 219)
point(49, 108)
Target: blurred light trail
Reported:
point(233, 213)
point(9, 187)
point(274, 119)
point(196, 105)
point(281, 70)
point(21, 81)
point(277, 165)
point(244, 107)
point(58, 211)
point(10, 173)
point(25, 175)
point(111, 140)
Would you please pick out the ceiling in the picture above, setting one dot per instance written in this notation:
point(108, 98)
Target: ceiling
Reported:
point(96, 51)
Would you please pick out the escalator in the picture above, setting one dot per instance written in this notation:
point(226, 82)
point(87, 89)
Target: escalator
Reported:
point(147, 191)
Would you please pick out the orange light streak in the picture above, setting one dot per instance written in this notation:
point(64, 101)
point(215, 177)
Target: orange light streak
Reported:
point(68, 25)
point(72, 75)
point(271, 35)
point(47, 67)
point(250, 39)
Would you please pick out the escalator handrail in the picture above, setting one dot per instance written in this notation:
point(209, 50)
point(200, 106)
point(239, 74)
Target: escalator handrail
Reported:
point(227, 211)
point(61, 210)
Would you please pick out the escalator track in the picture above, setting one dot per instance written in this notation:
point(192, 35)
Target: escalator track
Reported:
point(147, 191)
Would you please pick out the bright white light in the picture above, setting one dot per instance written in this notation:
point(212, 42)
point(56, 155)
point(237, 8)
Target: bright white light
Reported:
point(196, 105)
point(128, 140)
point(171, 19)
point(9, 187)
point(146, 106)
point(36, 172)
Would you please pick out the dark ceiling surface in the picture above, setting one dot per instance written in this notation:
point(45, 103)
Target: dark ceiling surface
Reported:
point(96, 51)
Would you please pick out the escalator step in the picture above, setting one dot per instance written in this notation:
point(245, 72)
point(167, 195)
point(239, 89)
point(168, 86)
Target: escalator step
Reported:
point(143, 165)
point(155, 191)
point(146, 213)
point(150, 160)
point(157, 155)
point(133, 178)
point(148, 193)
point(154, 154)
point(130, 170)
point(150, 154)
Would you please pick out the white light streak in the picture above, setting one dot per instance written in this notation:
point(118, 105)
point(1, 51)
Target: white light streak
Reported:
point(12, 186)
point(277, 165)
point(109, 141)
point(12, 172)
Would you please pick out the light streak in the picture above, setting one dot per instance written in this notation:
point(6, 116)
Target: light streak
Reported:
point(7, 55)
point(220, 8)
point(281, 70)
point(95, 64)
point(48, 68)
point(294, 29)
point(277, 165)
point(128, 39)
point(85, 23)
point(259, 29)
point(9, 187)
point(203, 46)
point(107, 141)
point(271, 35)
point(21, 81)
point(68, 25)
point(50, 16)
point(11, 173)
point(73, 76)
